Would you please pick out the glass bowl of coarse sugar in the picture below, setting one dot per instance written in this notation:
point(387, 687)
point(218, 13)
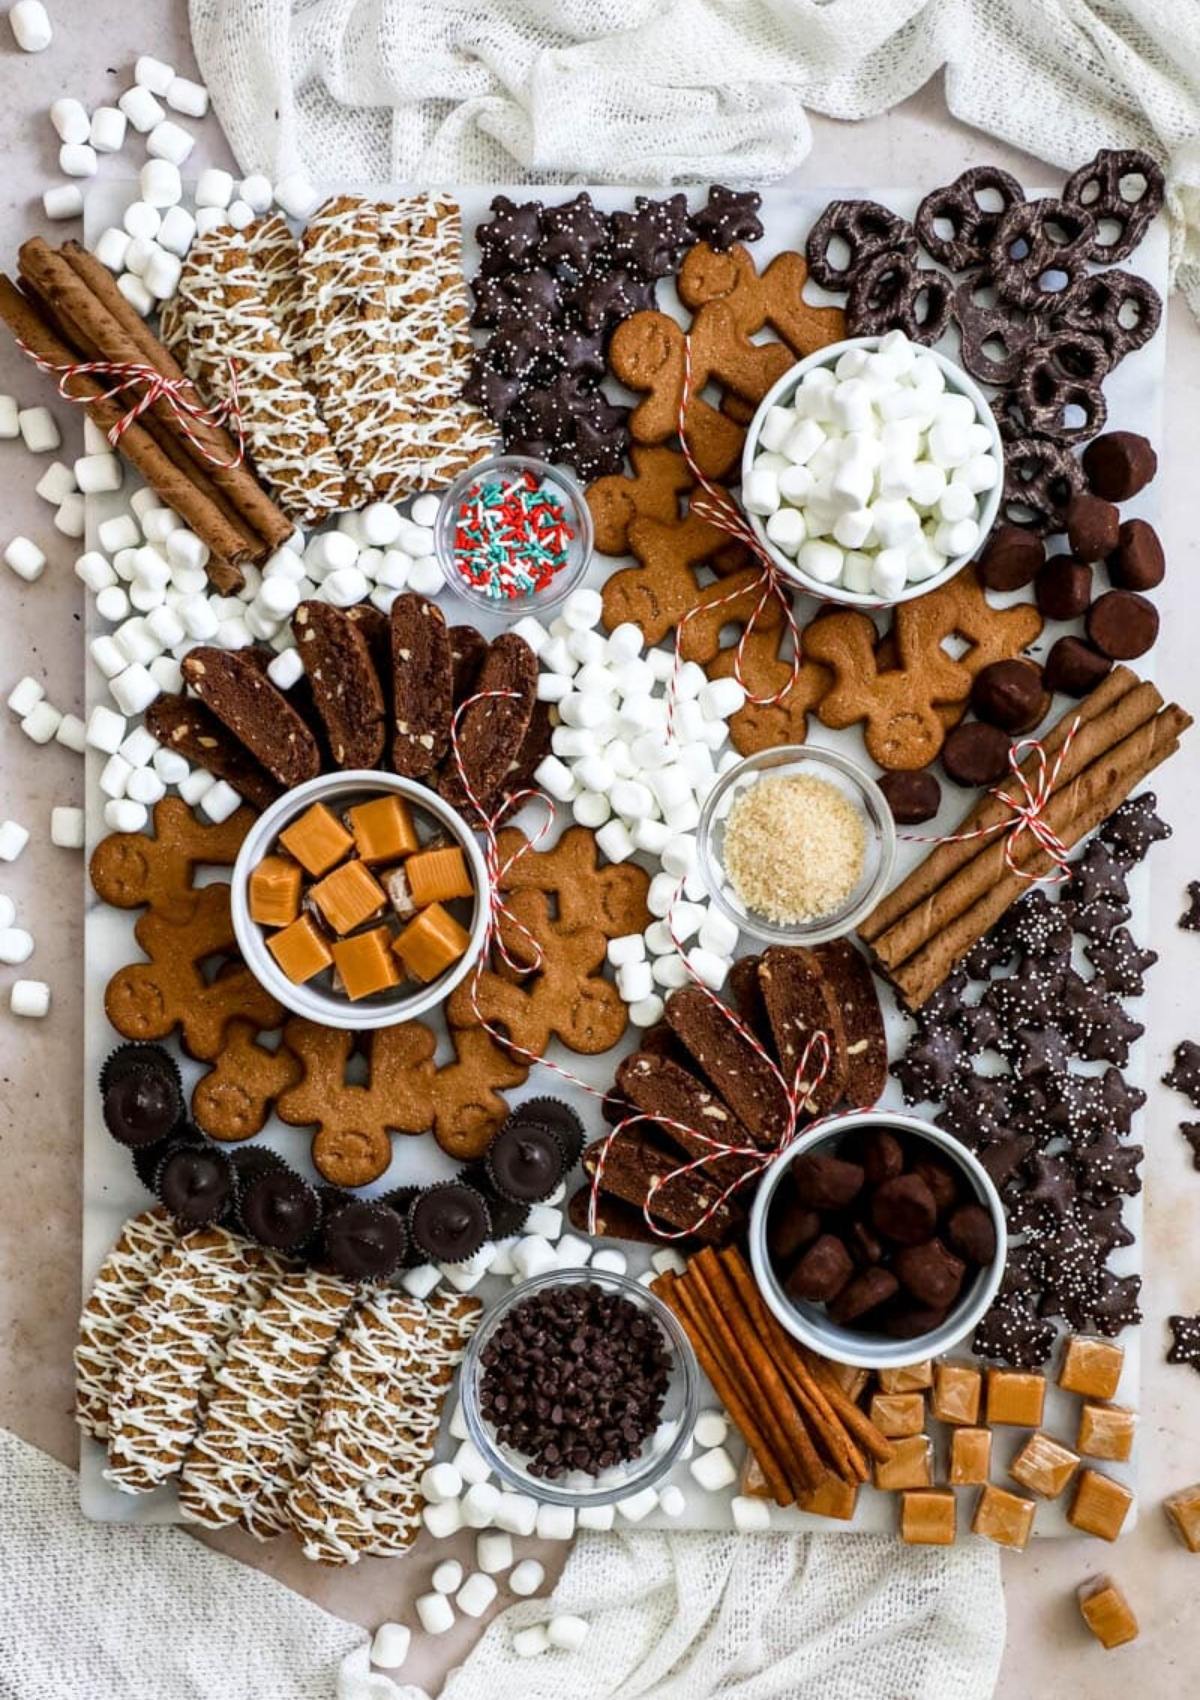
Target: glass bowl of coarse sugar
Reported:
point(796, 844)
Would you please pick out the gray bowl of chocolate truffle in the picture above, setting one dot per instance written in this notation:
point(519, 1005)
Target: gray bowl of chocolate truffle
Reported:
point(877, 1238)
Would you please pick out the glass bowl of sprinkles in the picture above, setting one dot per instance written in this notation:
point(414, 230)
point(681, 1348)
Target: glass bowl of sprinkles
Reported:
point(796, 844)
point(513, 535)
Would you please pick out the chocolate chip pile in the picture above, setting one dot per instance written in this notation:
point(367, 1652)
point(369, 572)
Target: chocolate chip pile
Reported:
point(1052, 1136)
point(575, 1378)
point(1034, 321)
point(553, 284)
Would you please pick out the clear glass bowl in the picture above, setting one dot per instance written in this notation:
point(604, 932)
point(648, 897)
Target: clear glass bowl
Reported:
point(853, 782)
point(506, 469)
point(662, 1449)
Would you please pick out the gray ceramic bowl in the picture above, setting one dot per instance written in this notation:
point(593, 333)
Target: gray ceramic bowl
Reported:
point(809, 1322)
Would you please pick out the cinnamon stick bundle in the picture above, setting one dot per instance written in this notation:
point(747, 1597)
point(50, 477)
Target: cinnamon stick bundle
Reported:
point(962, 888)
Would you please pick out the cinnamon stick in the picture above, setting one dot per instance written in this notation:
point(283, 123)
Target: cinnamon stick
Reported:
point(857, 1421)
point(197, 510)
point(947, 858)
point(668, 1289)
point(1072, 813)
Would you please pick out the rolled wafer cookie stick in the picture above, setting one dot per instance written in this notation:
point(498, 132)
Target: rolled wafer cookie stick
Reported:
point(945, 859)
point(1072, 814)
point(914, 929)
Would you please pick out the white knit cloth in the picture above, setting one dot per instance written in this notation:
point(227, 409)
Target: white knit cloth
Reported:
point(665, 91)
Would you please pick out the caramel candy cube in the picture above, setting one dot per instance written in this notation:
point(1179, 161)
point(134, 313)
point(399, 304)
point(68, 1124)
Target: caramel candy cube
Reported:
point(957, 1389)
point(366, 963)
point(431, 943)
point(832, 1497)
point(1107, 1612)
point(1100, 1506)
point(1044, 1466)
point(1091, 1366)
point(273, 891)
point(435, 876)
point(348, 896)
point(300, 950)
point(913, 1378)
point(1003, 1517)
point(317, 840)
point(898, 1414)
point(383, 829)
point(928, 1518)
point(970, 1456)
point(1015, 1397)
point(1183, 1514)
point(910, 1465)
point(852, 1380)
point(1106, 1431)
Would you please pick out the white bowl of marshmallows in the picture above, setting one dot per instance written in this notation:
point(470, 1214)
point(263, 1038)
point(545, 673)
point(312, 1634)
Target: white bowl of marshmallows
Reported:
point(872, 471)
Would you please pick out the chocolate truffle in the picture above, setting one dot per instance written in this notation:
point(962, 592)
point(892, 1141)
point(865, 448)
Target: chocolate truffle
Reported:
point(1010, 558)
point(560, 1118)
point(873, 1287)
point(363, 1241)
point(449, 1222)
point(1122, 625)
point(1119, 464)
point(1064, 588)
point(1092, 526)
point(195, 1184)
point(1137, 562)
point(279, 1209)
point(1074, 667)
point(821, 1272)
point(912, 797)
point(1010, 694)
point(975, 754)
point(524, 1162)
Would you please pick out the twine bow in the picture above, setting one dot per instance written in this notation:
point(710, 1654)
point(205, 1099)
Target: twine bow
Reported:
point(1027, 811)
point(180, 395)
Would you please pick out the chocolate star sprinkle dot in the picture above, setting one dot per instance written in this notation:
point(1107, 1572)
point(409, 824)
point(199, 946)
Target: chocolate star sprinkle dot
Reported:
point(1115, 1305)
point(1133, 827)
point(1120, 963)
point(1098, 873)
point(1190, 919)
point(1185, 1076)
point(1106, 1167)
point(1040, 928)
point(1191, 1132)
point(1103, 1225)
point(1185, 1344)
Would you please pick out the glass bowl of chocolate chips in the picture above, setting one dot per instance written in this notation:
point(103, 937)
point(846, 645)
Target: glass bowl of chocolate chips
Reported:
point(580, 1389)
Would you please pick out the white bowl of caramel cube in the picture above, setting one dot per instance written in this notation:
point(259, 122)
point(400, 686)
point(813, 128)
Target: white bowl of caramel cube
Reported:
point(360, 899)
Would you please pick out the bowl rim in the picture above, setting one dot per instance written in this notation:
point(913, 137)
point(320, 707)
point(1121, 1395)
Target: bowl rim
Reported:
point(768, 932)
point(788, 381)
point(570, 576)
point(321, 1007)
point(867, 1351)
point(657, 1464)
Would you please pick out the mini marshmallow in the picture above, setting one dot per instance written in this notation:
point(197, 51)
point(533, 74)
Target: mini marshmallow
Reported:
point(889, 573)
point(718, 934)
point(119, 532)
point(145, 786)
point(234, 634)
point(435, 1612)
point(544, 1221)
point(177, 231)
point(159, 179)
point(555, 777)
point(638, 1505)
point(63, 200)
point(70, 119)
point(41, 723)
point(195, 786)
point(424, 512)
point(713, 1470)
point(136, 293)
point(960, 538)
point(97, 474)
point(597, 1517)
point(184, 95)
point(567, 1632)
point(105, 729)
point(141, 109)
point(78, 159)
point(8, 911)
point(115, 776)
point(25, 559)
point(712, 1429)
point(167, 673)
point(572, 1252)
point(760, 491)
point(722, 698)
point(750, 1516)
point(421, 1281)
point(667, 1261)
point(171, 142)
point(555, 1523)
point(67, 828)
point(615, 841)
point(476, 1594)
point(626, 949)
point(297, 196)
point(527, 1577)
point(219, 802)
point(390, 1645)
point(107, 133)
point(122, 814)
point(209, 219)
point(635, 981)
point(16, 945)
point(582, 608)
point(214, 188)
point(71, 516)
point(10, 415)
point(516, 1514)
point(443, 1520)
point(648, 1012)
point(38, 430)
point(672, 1501)
point(170, 766)
point(94, 571)
point(529, 1643)
point(441, 1482)
point(471, 1465)
point(153, 74)
point(447, 1576)
point(30, 998)
point(255, 190)
point(27, 693)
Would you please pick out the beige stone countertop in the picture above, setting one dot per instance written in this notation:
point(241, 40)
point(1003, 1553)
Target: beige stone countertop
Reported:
point(1048, 1653)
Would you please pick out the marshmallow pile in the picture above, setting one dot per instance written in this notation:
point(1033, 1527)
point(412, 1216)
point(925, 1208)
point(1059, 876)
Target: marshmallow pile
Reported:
point(873, 476)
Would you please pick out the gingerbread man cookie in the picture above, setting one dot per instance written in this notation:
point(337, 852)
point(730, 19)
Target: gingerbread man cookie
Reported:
point(232, 1101)
point(654, 490)
point(132, 868)
point(467, 1108)
point(611, 899)
point(776, 298)
point(765, 671)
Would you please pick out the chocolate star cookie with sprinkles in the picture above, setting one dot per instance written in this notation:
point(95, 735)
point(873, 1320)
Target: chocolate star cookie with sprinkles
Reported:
point(1121, 963)
point(1133, 827)
point(728, 216)
point(1185, 1076)
point(1185, 1343)
point(1190, 919)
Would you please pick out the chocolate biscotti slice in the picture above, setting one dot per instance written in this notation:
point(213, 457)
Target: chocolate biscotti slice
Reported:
point(422, 685)
point(746, 1080)
point(235, 687)
point(345, 686)
point(492, 731)
point(848, 976)
point(183, 724)
point(799, 1003)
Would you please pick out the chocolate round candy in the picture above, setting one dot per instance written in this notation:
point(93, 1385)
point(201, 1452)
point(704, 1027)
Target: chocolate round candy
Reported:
point(975, 754)
point(904, 1210)
point(1010, 558)
point(1093, 526)
point(930, 1272)
point(560, 1118)
point(821, 1273)
point(972, 1233)
point(1119, 464)
point(866, 1292)
point(911, 1321)
point(821, 1181)
point(250, 1161)
point(279, 1209)
point(363, 1241)
point(881, 1155)
point(941, 1179)
point(912, 797)
point(790, 1229)
point(1010, 695)
point(1063, 588)
point(524, 1162)
point(449, 1222)
point(1137, 562)
point(1074, 667)
point(1122, 624)
point(195, 1184)
point(141, 1105)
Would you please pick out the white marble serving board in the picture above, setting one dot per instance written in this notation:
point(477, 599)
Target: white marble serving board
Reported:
point(111, 1191)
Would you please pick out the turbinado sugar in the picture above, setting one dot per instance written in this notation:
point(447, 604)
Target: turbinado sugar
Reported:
point(794, 847)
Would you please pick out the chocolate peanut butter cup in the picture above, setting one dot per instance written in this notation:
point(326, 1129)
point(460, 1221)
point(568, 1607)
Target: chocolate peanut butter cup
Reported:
point(524, 1162)
point(508, 1217)
point(364, 1241)
point(279, 1209)
point(449, 1222)
point(195, 1183)
point(560, 1118)
point(141, 1095)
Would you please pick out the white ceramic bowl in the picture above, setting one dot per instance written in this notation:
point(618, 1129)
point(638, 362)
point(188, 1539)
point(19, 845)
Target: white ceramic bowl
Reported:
point(780, 394)
point(810, 1323)
point(338, 791)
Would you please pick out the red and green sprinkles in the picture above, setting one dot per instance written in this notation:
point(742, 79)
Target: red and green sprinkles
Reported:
point(512, 536)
